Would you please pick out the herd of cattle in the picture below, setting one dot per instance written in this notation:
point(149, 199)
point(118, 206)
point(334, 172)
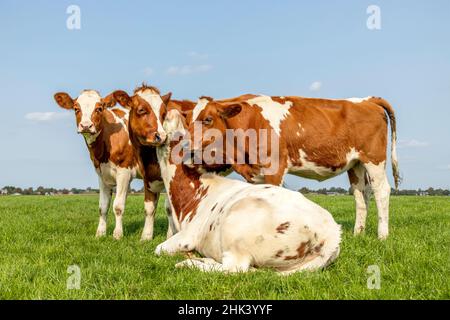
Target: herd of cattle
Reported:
point(238, 225)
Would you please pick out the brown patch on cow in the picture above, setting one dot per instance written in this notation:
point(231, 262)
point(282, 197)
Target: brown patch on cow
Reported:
point(319, 246)
point(283, 227)
point(206, 97)
point(112, 144)
point(119, 113)
point(186, 191)
point(352, 177)
point(303, 250)
point(278, 254)
point(330, 129)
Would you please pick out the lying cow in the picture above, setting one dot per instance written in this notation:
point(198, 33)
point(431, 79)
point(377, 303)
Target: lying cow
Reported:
point(236, 225)
point(316, 138)
point(105, 130)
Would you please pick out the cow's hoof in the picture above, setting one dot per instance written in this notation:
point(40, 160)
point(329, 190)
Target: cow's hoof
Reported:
point(146, 237)
point(100, 233)
point(159, 250)
point(118, 234)
point(382, 236)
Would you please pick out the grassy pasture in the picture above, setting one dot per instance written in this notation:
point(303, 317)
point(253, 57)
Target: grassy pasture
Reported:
point(40, 237)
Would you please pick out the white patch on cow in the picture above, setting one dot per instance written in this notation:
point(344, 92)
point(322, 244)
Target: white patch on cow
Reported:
point(352, 155)
point(272, 111)
point(119, 119)
point(155, 102)
point(108, 172)
point(311, 170)
point(87, 101)
point(147, 232)
point(358, 100)
point(201, 104)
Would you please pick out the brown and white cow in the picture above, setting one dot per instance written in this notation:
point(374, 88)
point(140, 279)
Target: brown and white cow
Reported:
point(147, 111)
point(316, 139)
point(105, 130)
point(235, 225)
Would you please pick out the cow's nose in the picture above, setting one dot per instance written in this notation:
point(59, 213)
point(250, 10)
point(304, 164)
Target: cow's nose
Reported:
point(87, 126)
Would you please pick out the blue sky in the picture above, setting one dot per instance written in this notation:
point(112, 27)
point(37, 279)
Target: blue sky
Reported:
point(215, 48)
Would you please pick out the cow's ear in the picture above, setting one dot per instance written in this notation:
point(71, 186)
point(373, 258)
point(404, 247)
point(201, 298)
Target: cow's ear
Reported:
point(109, 101)
point(123, 99)
point(64, 100)
point(230, 111)
point(166, 98)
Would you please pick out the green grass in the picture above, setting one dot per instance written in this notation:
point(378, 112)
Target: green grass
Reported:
point(41, 236)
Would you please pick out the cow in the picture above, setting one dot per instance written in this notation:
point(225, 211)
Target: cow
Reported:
point(105, 131)
point(149, 107)
point(237, 226)
point(316, 138)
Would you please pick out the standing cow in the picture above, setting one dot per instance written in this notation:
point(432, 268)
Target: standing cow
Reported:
point(316, 139)
point(147, 107)
point(105, 130)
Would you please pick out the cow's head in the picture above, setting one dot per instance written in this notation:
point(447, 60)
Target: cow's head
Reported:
point(210, 115)
point(88, 107)
point(147, 110)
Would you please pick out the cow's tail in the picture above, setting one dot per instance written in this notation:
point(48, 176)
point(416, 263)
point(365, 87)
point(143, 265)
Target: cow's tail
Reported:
point(390, 112)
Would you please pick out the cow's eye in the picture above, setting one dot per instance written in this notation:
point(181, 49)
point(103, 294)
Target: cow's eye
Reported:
point(77, 110)
point(207, 121)
point(141, 111)
point(99, 109)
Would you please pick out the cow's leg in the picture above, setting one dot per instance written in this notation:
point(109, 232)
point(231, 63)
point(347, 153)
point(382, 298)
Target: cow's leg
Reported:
point(210, 265)
point(361, 192)
point(150, 204)
point(123, 179)
point(104, 202)
point(180, 242)
point(203, 264)
point(171, 230)
point(382, 190)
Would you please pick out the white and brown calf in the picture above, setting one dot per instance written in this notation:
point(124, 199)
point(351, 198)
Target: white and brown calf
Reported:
point(236, 225)
point(316, 138)
point(105, 130)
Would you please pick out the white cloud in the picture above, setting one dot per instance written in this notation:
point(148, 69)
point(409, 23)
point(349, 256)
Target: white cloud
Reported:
point(46, 116)
point(315, 86)
point(149, 71)
point(188, 69)
point(196, 55)
point(412, 143)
